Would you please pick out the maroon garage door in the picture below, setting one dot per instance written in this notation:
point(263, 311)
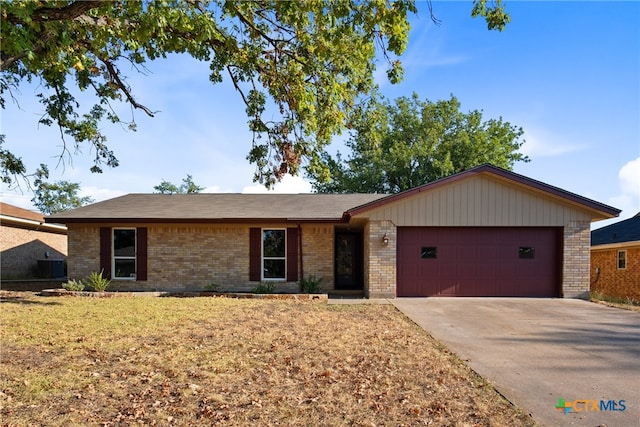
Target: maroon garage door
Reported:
point(479, 261)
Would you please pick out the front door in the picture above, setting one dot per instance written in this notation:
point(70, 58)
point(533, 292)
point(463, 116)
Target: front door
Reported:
point(348, 263)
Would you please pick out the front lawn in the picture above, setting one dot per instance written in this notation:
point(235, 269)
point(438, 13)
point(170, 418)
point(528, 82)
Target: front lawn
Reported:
point(207, 361)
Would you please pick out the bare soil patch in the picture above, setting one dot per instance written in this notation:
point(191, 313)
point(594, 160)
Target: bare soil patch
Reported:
point(211, 361)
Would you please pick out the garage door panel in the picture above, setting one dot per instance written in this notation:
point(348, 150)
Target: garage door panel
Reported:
point(478, 261)
point(445, 290)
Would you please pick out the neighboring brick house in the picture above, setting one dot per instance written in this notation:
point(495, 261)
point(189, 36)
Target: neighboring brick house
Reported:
point(25, 239)
point(615, 259)
point(482, 232)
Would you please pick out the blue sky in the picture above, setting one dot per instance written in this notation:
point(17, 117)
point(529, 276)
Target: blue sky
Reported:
point(567, 72)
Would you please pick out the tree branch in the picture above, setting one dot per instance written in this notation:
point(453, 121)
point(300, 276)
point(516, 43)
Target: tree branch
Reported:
point(44, 14)
point(7, 62)
point(70, 11)
point(249, 24)
point(114, 74)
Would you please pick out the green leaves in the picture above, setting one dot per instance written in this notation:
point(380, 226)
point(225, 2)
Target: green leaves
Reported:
point(395, 147)
point(51, 198)
point(310, 60)
point(494, 13)
point(300, 67)
point(187, 187)
point(10, 165)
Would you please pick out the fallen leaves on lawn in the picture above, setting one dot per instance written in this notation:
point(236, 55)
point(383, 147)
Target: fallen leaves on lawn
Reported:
point(216, 361)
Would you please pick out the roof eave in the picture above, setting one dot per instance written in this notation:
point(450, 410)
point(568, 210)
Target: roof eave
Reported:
point(617, 245)
point(29, 224)
point(605, 211)
point(195, 220)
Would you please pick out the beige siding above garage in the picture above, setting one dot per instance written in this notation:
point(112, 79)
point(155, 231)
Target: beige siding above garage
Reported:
point(484, 201)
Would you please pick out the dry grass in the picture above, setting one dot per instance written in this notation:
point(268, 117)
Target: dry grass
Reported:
point(628, 303)
point(209, 361)
point(622, 305)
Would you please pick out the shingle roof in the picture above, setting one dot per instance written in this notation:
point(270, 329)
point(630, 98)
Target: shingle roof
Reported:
point(13, 216)
point(217, 208)
point(620, 232)
point(228, 207)
point(16, 212)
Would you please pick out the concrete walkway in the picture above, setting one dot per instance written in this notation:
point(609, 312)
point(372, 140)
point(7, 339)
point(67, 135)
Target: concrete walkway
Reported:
point(536, 351)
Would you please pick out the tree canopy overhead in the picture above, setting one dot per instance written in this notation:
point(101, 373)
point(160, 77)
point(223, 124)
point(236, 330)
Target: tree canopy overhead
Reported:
point(408, 143)
point(310, 61)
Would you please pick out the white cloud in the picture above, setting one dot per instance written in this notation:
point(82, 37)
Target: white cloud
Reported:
point(20, 200)
point(629, 198)
point(439, 61)
point(629, 176)
point(100, 194)
point(216, 189)
point(288, 185)
point(539, 143)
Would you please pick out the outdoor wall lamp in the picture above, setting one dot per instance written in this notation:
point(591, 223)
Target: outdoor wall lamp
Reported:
point(385, 239)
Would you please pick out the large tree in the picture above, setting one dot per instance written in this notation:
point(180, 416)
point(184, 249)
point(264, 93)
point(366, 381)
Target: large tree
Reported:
point(309, 61)
point(59, 196)
point(187, 187)
point(401, 145)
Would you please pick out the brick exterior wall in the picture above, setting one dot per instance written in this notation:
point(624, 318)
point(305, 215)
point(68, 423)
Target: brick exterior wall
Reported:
point(575, 266)
point(318, 253)
point(380, 260)
point(20, 250)
point(190, 257)
point(84, 250)
point(611, 281)
point(184, 257)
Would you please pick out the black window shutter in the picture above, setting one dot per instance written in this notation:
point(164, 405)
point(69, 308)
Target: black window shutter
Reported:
point(255, 257)
point(141, 255)
point(105, 251)
point(292, 254)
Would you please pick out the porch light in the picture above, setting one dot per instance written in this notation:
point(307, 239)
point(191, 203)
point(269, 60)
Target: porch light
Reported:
point(385, 239)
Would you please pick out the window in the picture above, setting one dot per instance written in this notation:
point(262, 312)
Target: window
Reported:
point(622, 260)
point(526, 252)
point(274, 264)
point(428, 252)
point(273, 254)
point(124, 253)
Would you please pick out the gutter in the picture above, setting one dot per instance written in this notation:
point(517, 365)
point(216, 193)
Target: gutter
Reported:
point(133, 220)
point(32, 224)
point(619, 245)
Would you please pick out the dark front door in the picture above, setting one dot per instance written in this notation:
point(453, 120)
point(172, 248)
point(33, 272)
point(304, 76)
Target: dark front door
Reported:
point(348, 266)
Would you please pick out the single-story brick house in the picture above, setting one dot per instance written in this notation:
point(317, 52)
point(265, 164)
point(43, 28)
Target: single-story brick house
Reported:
point(615, 259)
point(482, 232)
point(29, 248)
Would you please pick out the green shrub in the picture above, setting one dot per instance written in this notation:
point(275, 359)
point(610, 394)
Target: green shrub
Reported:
point(212, 287)
point(73, 285)
point(264, 288)
point(97, 282)
point(311, 285)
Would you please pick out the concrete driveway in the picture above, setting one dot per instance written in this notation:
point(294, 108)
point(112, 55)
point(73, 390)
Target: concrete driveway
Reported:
point(536, 351)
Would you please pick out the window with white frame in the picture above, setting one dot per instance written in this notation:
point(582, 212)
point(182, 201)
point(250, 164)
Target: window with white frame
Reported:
point(124, 253)
point(622, 260)
point(274, 261)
